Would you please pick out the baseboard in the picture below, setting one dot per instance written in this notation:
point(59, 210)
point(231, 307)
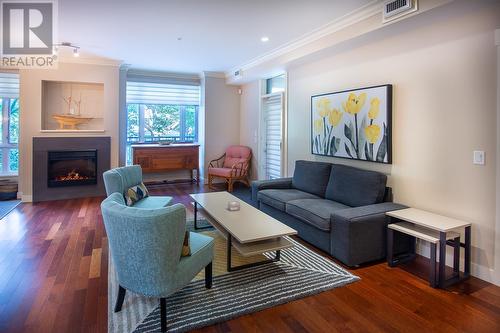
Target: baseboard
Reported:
point(481, 272)
point(26, 198)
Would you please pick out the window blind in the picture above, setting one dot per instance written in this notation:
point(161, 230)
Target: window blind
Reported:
point(273, 109)
point(139, 92)
point(9, 85)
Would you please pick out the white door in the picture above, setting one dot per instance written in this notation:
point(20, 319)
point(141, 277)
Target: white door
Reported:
point(272, 106)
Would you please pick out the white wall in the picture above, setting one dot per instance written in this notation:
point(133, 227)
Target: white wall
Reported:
point(442, 65)
point(222, 117)
point(249, 122)
point(31, 110)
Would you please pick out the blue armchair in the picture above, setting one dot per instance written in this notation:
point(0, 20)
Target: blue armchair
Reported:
point(145, 246)
point(121, 179)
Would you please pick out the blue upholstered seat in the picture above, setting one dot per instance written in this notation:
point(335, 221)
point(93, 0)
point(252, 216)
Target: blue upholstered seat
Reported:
point(121, 179)
point(146, 245)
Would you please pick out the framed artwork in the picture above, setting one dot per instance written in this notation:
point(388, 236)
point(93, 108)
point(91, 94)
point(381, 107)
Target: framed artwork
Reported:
point(353, 124)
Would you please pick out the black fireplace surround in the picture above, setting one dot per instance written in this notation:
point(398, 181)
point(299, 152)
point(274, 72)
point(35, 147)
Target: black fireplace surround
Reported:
point(69, 167)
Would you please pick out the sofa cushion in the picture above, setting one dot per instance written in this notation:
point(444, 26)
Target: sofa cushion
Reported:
point(355, 187)
point(315, 212)
point(278, 198)
point(311, 177)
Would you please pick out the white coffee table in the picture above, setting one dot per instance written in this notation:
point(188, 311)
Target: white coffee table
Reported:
point(248, 230)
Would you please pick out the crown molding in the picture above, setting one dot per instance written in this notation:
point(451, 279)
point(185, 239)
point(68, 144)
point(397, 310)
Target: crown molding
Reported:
point(358, 15)
point(216, 75)
point(90, 61)
point(161, 74)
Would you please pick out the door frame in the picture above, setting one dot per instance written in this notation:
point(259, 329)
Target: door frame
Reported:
point(261, 130)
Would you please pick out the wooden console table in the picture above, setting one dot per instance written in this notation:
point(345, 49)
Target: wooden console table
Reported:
point(161, 158)
point(439, 231)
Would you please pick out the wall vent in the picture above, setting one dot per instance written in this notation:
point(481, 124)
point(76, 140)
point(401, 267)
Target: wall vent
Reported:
point(395, 9)
point(237, 73)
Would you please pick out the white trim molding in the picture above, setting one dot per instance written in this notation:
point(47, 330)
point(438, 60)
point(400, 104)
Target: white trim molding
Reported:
point(359, 22)
point(497, 217)
point(360, 14)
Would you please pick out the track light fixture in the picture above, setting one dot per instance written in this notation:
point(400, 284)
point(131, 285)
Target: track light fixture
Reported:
point(76, 49)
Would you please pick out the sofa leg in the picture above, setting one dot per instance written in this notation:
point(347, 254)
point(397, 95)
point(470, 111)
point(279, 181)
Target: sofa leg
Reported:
point(163, 314)
point(208, 276)
point(120, 298)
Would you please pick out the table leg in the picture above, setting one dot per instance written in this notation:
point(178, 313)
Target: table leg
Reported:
point(196, 219)
point(442, 259)
point(456, 256)
point(467, 250)
point(195, 215)
point(390, 247)
point(432, 276)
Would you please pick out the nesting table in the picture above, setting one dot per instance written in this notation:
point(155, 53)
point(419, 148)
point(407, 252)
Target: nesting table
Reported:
point(439, 231)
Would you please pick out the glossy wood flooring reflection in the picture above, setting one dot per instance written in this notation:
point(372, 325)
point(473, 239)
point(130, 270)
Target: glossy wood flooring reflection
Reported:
point(53, 278)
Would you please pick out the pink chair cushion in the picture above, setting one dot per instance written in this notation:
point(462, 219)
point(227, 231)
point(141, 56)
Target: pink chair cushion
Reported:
point(222, 172)
point(236, 154)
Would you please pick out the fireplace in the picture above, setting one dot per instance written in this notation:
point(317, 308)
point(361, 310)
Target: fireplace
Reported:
point(72, 167)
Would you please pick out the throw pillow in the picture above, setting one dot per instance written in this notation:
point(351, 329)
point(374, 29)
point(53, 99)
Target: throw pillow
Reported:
point(186, 249)
point(136, 193)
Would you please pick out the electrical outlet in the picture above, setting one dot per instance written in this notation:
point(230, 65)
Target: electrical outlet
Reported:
point(478, 157)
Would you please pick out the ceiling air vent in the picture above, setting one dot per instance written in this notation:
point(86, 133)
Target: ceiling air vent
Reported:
point(237, 73)
point(395, 9)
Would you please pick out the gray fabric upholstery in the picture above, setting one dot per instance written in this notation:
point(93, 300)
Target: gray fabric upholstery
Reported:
point(313, 235)
point(281, 183)
point(278, 198)
point(359, 234)
point(311, 177)
point(341, 212)
point(315, 212)
point(355, 187)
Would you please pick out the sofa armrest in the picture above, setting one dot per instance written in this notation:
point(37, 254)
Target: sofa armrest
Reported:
point(359, 234)
point(280, 183)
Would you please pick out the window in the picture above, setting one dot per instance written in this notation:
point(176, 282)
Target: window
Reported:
point(276, 84)
point(9, 126)
point(161, 112)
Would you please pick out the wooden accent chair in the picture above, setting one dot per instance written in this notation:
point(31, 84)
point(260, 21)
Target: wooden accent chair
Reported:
point(232, 166)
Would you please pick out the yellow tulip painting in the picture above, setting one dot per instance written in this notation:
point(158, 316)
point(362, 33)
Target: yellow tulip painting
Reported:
point(372, 133)
point(334, 117)
point(353, 124)
point(354, 103)
point(374, 108)
point(323, 107)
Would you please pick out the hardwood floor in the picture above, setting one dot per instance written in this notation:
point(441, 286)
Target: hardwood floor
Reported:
point(53, 278)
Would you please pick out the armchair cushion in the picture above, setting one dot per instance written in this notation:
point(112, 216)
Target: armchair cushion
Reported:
point(315, 212)
point(222, 172)
point(278, 198)
point(153, 202)
point(236, 154)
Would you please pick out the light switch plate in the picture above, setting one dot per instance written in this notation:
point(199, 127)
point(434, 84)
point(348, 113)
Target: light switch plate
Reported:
point(478, 157)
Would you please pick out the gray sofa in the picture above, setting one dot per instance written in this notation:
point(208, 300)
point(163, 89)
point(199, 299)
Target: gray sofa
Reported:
point(337, 208)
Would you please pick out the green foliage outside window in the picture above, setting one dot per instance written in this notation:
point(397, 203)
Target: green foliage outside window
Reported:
point(160, 122)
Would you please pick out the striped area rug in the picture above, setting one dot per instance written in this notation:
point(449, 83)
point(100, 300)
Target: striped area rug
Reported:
point(299, 273)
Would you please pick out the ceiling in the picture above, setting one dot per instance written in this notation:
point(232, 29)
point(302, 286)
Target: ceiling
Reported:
point(215, 35)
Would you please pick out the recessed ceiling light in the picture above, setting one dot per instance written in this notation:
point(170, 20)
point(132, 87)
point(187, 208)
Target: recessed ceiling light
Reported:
point(264, 39)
